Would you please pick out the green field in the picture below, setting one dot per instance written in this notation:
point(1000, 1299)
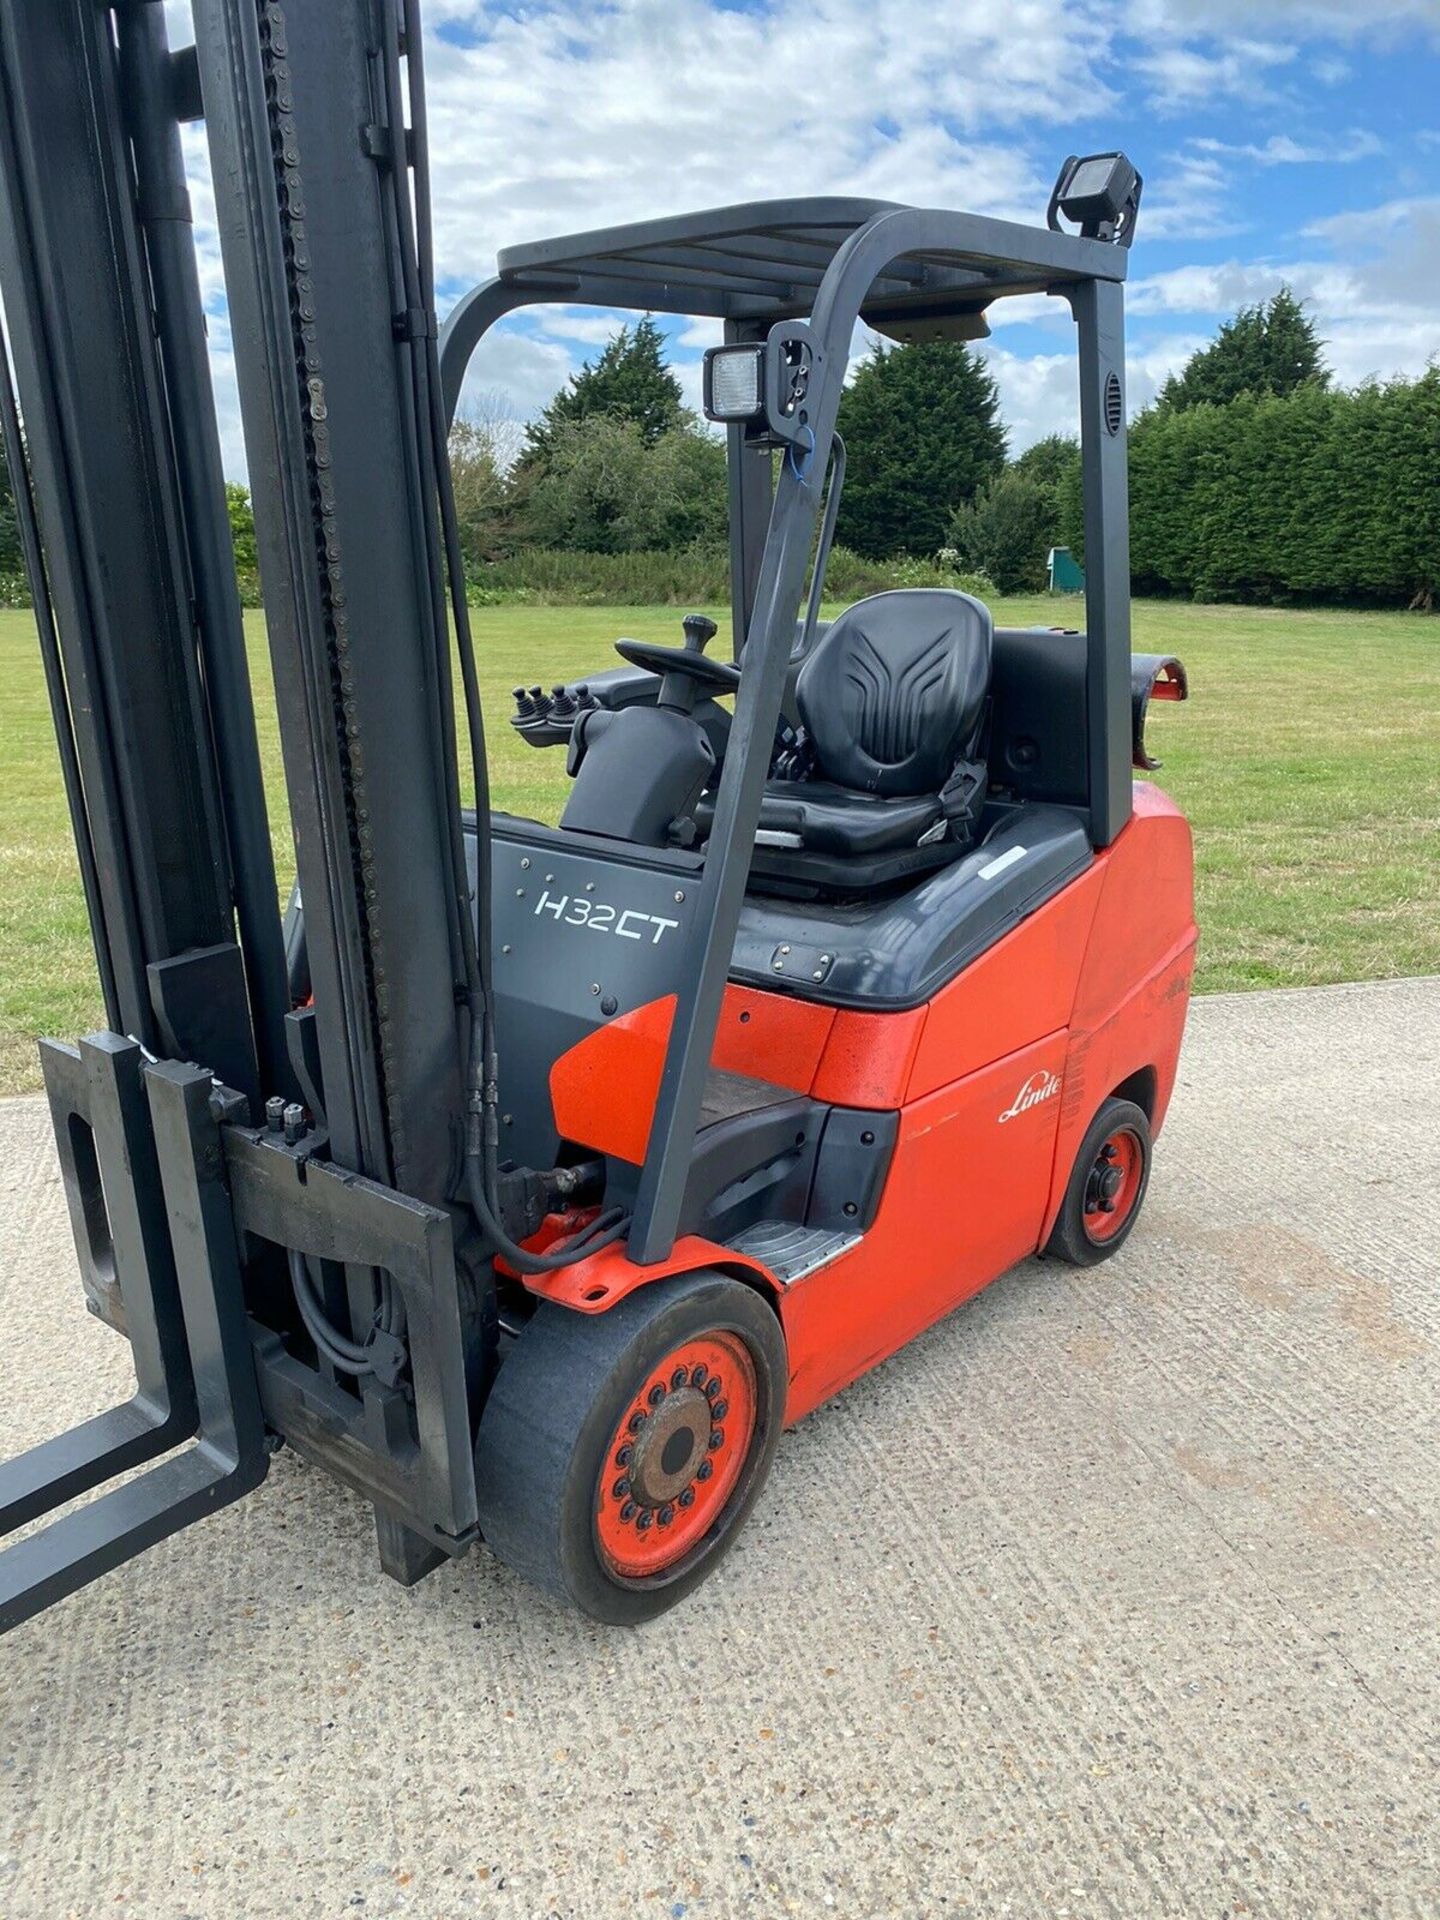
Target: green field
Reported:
point(1308, 760)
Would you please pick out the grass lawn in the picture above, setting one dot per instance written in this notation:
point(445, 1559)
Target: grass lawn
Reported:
point(1308, 760)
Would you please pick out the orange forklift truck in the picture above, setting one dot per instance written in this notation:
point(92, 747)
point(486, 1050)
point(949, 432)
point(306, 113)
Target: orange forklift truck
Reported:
point(532, 1179)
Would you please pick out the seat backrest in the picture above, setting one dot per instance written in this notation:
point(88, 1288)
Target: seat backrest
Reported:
point(893, 694)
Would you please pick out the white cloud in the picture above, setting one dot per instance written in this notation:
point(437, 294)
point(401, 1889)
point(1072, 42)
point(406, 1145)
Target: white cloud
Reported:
point(1039, 392)
point(1184, 76)
point(1343, 20)
point(585, 324)
point(1281, 151)
point(560, 115)
point(1376, 303)
point(1188, 196)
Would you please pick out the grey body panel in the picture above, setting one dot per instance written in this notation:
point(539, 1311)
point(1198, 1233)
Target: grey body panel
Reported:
point(586, 929)
point(899, 952)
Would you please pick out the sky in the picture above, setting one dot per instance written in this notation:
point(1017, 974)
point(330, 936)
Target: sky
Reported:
point(1281, 141)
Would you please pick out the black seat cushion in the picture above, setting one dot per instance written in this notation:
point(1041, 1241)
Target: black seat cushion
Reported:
point(825, 818)
point(894, 693)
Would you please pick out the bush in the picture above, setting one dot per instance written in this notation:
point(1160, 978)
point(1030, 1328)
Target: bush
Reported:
point(605, 489)
point(693, 576)
point(561, 576)
point(1007, 531)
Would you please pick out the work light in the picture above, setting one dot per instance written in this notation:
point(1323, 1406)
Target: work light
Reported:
point(763, 386)
point(734, 383)
point(1101, 194)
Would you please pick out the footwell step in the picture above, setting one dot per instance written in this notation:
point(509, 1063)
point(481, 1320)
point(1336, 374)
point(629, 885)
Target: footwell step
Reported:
point(792, 1252)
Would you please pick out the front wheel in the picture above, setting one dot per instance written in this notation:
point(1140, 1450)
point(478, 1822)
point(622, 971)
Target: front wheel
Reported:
point(1107, 1186)
point(619, 1453)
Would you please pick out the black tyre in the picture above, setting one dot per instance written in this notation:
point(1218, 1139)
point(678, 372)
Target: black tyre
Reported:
point(1107, 1186)
point(619, 1453)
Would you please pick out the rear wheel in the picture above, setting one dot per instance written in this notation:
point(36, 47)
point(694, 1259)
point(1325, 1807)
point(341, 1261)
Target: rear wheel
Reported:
point(619, 1453)
point(1107, 1186)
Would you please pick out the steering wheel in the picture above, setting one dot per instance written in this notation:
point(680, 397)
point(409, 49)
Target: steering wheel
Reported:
point(686, 674)
point(712, 676)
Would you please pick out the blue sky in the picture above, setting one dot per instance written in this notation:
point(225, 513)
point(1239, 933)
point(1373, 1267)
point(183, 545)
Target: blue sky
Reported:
point(1280, 140)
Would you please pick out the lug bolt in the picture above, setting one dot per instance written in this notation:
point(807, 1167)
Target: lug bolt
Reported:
point(719, 1410)
point(628, 1511)
point(717, 1439)
point(656, 1394)
point(636, 1421)
point(697, 1376)
point(704, 1470)
point(666, 1515)
point(687, 1498)
point(625, 1455)
point(678, 1378)
point(644, 1523)
point(621, 1488)
point(712, 1387)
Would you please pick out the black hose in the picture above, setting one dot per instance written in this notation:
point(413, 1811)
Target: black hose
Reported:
point(344, 1355)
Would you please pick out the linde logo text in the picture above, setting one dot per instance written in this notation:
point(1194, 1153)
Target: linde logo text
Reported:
point(1039, 1087)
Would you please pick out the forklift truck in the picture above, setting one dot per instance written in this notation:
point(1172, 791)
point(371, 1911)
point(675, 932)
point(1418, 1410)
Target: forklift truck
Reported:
point(532, 1179)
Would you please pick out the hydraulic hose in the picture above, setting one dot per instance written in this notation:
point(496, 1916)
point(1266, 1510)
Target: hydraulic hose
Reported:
point(344, 1355)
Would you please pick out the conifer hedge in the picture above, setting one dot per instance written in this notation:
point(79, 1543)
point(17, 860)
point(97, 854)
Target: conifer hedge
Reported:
point(1321, 494)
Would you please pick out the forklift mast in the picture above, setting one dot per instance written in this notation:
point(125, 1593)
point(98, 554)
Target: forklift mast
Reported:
point(333, 339)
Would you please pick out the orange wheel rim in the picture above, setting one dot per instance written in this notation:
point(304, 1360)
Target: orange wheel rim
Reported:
point(676, 1456)
point(1112, 1186)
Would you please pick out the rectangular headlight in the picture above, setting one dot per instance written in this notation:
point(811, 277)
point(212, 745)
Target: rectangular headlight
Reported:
point(733, 384)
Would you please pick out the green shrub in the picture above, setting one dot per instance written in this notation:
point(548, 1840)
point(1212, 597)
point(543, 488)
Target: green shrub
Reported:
point(690, 576)
point(1007, 531)
point(604, 488)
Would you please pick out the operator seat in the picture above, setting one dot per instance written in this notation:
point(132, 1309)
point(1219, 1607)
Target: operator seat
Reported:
point(894, 702)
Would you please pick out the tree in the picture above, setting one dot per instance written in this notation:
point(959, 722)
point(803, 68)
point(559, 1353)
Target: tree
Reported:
point(629, 380)
point(922, 433)
point(12, 558)
point(482, 494)
point(242, 525)
point(1050, 461)
point(604, 489)
point(1317, 494)
point(1270, 348)
point(1007, 531)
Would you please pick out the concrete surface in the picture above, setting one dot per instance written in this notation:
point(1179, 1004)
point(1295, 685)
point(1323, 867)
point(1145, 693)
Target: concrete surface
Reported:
point(1115, 1594)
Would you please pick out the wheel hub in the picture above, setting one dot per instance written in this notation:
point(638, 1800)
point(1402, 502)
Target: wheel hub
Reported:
point(1113, 1184)
point(677, 1455)
point(669, 1447)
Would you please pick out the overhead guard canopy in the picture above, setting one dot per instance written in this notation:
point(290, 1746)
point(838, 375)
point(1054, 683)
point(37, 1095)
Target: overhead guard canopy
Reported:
point(764, 260)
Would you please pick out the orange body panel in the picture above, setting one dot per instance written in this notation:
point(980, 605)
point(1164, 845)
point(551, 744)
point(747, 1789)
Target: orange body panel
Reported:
point(590, 1286)
point(1023, 987)
point(995, 1082)
point(964, 1201)
point(603, 1091)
